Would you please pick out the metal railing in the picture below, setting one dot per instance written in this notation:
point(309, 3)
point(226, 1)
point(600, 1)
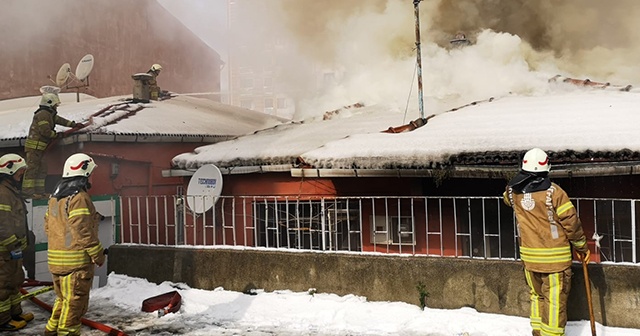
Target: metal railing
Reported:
point(463, 227)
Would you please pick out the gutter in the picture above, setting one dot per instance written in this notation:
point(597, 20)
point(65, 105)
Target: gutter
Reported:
point(232, 170)
point(558, 171)
point(144, 138)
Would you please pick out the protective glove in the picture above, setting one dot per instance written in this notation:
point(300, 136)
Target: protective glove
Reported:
point(584, 256)
point(99, 260)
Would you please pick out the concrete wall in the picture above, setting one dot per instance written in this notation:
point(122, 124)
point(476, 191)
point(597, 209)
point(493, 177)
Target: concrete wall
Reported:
point(488, 286)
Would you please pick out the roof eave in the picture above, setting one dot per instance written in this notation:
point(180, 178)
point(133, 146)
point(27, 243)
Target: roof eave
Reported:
point(573, 170)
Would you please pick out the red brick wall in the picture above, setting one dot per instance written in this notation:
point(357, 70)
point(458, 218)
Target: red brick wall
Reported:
point(124, 36)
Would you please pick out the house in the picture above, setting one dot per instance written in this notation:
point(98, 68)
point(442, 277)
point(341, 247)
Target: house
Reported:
point(360, 201)
point(463, 157)
point(131, 142)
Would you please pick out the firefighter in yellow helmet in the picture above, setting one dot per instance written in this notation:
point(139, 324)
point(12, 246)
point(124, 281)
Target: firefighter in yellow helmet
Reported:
point(41, 133)
point(549, 226)
point(13, 240)
point(154, 89)
point(71, 224)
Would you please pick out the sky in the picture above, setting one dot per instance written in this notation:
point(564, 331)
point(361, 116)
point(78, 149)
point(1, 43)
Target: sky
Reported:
point(287, 313)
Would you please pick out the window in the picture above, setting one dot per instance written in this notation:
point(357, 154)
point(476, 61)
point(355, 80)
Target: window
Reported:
point(329, 79)
point(246, 103)
point(315, 225)
point(268, 105)
point(246, 83)
point(268, 82)
point(392, 230)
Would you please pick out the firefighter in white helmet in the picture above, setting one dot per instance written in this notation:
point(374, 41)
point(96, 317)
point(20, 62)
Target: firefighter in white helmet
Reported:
point(41, 133)
point(549, 226)
point(154, 89)
point(13, 241)
point(72, 214)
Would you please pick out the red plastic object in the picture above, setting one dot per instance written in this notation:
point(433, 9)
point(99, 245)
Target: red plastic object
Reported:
point(164, 303)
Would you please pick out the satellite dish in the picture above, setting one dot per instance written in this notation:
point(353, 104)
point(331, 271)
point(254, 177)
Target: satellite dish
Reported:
point(84, 67)
point(204, 188)
point(49, 89)
point(63, 74)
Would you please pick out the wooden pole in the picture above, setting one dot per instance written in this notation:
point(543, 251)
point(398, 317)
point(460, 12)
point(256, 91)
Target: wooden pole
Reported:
point(587, 285)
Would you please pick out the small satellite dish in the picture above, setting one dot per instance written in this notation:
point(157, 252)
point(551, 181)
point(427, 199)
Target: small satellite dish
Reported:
point(84, 67)
point(204, 188)
point(49, 89)
point(63, 74)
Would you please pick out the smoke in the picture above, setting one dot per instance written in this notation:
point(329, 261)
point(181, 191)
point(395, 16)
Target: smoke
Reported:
point(369, 48)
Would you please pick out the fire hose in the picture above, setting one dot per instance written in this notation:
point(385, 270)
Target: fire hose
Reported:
point(89, 323)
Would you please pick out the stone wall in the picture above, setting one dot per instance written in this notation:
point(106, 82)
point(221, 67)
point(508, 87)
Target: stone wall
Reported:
point(488, 286)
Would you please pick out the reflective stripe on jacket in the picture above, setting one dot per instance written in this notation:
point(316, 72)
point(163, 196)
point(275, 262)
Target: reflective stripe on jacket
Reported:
point(71, 224)
point(548, 224)
point(42, 128)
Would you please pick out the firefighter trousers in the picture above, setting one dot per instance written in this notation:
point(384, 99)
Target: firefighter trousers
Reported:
point(72, 301)
point(549, 293)
point(11, 279)
point(36, 173)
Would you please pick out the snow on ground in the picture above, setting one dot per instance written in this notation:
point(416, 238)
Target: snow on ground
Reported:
point(223, 312)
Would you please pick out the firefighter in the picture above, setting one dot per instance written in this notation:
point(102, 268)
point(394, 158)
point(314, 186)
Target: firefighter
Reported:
point(41, 133)
point(154, 89)
point(13, 240)
point(71, 224)
point(549, 226)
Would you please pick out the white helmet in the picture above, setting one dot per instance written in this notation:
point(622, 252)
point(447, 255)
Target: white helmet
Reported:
point(50, 99)
point(156, 67)
point(535, 160)
point(11, 163)
point(78, 164)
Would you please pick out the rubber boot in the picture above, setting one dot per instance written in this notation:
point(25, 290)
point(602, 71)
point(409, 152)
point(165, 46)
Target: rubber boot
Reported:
point(13, 325)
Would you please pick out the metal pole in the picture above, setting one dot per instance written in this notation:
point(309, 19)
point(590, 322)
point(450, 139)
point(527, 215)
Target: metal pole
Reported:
point(418, 56)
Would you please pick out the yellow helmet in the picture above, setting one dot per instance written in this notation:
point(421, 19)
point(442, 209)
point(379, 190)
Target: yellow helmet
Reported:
point(50, 99)
point(156, 67)
point(11, 163)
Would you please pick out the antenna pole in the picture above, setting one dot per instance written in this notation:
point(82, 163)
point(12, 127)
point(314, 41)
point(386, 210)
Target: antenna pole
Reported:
point(418, 56)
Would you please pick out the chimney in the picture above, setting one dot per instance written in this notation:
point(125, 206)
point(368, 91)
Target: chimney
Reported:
point(141, 90)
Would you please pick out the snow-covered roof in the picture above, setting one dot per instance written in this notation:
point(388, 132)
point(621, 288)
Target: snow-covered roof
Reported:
point(570, 121)
point(180, 116)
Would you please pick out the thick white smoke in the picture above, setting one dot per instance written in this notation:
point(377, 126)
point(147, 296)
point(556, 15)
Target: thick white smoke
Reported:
point(518, 45)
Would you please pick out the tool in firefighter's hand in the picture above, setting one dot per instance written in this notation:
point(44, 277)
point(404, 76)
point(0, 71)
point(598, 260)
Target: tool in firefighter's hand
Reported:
point(587, 285)
point(584, 257)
